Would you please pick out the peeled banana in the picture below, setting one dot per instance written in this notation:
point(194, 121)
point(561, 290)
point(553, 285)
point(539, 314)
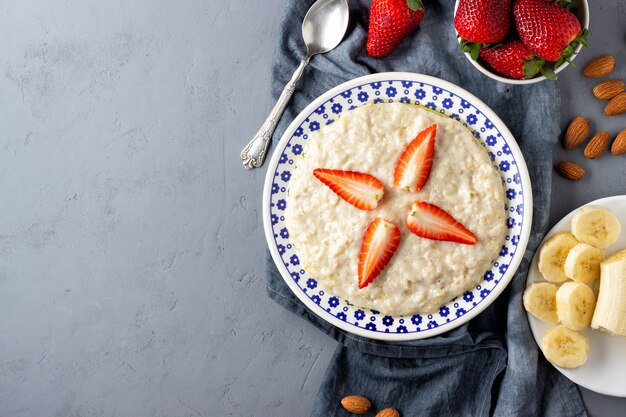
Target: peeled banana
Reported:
point(595, 226)
point(565, 347)
point(582, 263)
point(553, 254)
point(610, 314)
point(575, 304)
point(540, 301)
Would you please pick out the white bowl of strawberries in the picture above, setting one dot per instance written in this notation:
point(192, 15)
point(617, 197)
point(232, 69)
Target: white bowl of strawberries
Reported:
point(521, 41)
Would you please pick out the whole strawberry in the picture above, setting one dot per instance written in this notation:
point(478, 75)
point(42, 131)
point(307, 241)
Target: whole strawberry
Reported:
point(390, 22)
point(515, 60)
point(480, 22)
point(548, 29)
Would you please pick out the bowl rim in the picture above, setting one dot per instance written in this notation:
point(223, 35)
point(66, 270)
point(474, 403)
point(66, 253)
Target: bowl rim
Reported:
point(527, 215)
point(584, 20)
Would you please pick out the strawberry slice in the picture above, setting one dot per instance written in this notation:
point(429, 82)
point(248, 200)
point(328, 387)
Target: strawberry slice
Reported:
point(380, 242)
point(414, 165)
point(429, 221)
point(361, 190)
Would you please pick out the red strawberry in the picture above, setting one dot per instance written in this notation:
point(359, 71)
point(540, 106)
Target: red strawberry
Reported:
point(429, 221)
point(361, 190)
point(414, 165)
point(390, 22)
point(548, 29)
point(481, 22)
point(380, 242)
point(515, 60)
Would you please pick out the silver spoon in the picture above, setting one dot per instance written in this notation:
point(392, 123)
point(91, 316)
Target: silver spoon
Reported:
point(323, 28)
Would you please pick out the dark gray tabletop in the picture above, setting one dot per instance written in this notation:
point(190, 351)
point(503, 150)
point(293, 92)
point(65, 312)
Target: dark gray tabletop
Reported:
point(131, 244)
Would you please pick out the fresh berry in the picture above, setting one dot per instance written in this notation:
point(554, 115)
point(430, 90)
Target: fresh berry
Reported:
point(390, 22)
point(548, 29)
point(361, 190)
point(480, 22)
point(380, 242)
point(414, 165)
point(429, 221)
point(515, 60)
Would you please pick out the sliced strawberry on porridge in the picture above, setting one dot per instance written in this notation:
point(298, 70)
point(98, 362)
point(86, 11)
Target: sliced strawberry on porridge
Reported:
point(414, 165)
point(429, 221)
point(380, 242)
point(421, 274)
point(359, 189)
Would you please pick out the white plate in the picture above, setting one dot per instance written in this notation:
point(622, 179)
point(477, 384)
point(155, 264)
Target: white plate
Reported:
point(605, 369)
point(449, 101)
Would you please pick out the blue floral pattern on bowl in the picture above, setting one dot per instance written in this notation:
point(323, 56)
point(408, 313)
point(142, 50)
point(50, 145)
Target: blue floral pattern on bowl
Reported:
point(446, 103)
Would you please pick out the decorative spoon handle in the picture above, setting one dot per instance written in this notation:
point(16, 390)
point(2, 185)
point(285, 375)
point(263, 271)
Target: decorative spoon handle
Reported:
point(253, 154)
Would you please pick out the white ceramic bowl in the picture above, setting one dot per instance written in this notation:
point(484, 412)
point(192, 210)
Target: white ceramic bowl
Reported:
point(582, 12)
point(449, 101)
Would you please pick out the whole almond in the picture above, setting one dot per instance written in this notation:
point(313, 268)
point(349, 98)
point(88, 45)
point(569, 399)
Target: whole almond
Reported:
point(597, 145)
point(619, 144)
point(608, 89)
point(600, 66)
point(616, 106)
point(356, 404)
point(570, 170)
point(576, 133)
point(388, 412)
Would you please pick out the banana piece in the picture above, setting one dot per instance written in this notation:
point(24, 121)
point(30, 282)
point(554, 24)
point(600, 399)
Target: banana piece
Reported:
point(595, 226)
point(540, 301)
point(610, 314)
point(582, 263)
point(552, 256)
point(564, 347)
point(575, 304)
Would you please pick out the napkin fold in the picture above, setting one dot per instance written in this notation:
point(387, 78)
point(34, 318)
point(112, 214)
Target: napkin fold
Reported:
point(491, 365)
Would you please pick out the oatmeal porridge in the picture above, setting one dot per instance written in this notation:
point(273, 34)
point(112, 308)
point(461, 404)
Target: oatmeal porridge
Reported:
point(423, 274)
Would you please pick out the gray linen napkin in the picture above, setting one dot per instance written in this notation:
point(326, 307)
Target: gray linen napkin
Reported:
point(490, 366)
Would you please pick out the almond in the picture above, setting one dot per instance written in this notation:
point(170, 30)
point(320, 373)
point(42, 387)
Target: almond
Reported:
point(600, 66)
point(388, 412)
point(619, 144)
point(356, 404)
point(616, 106)
point(597, 145)
point(608, 89)
point(576, 133)
point(570, 170)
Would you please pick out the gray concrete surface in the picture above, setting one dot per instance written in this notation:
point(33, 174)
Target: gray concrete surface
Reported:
point(606, 176)
point(131, 246)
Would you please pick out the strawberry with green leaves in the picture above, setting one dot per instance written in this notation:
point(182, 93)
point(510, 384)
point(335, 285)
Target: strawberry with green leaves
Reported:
point(481, 22)
point(390, 22)
point(548, 29)
point(515, 60)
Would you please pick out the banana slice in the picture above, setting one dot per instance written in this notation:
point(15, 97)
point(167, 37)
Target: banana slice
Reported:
point(582, 263)
point(575, 304)
point(552, 256)
point(540, 301)
point(565, 347)
point(595, 226)
point(610, 314)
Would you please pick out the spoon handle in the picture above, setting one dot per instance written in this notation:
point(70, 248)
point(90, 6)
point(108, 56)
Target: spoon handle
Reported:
point(254, 152)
